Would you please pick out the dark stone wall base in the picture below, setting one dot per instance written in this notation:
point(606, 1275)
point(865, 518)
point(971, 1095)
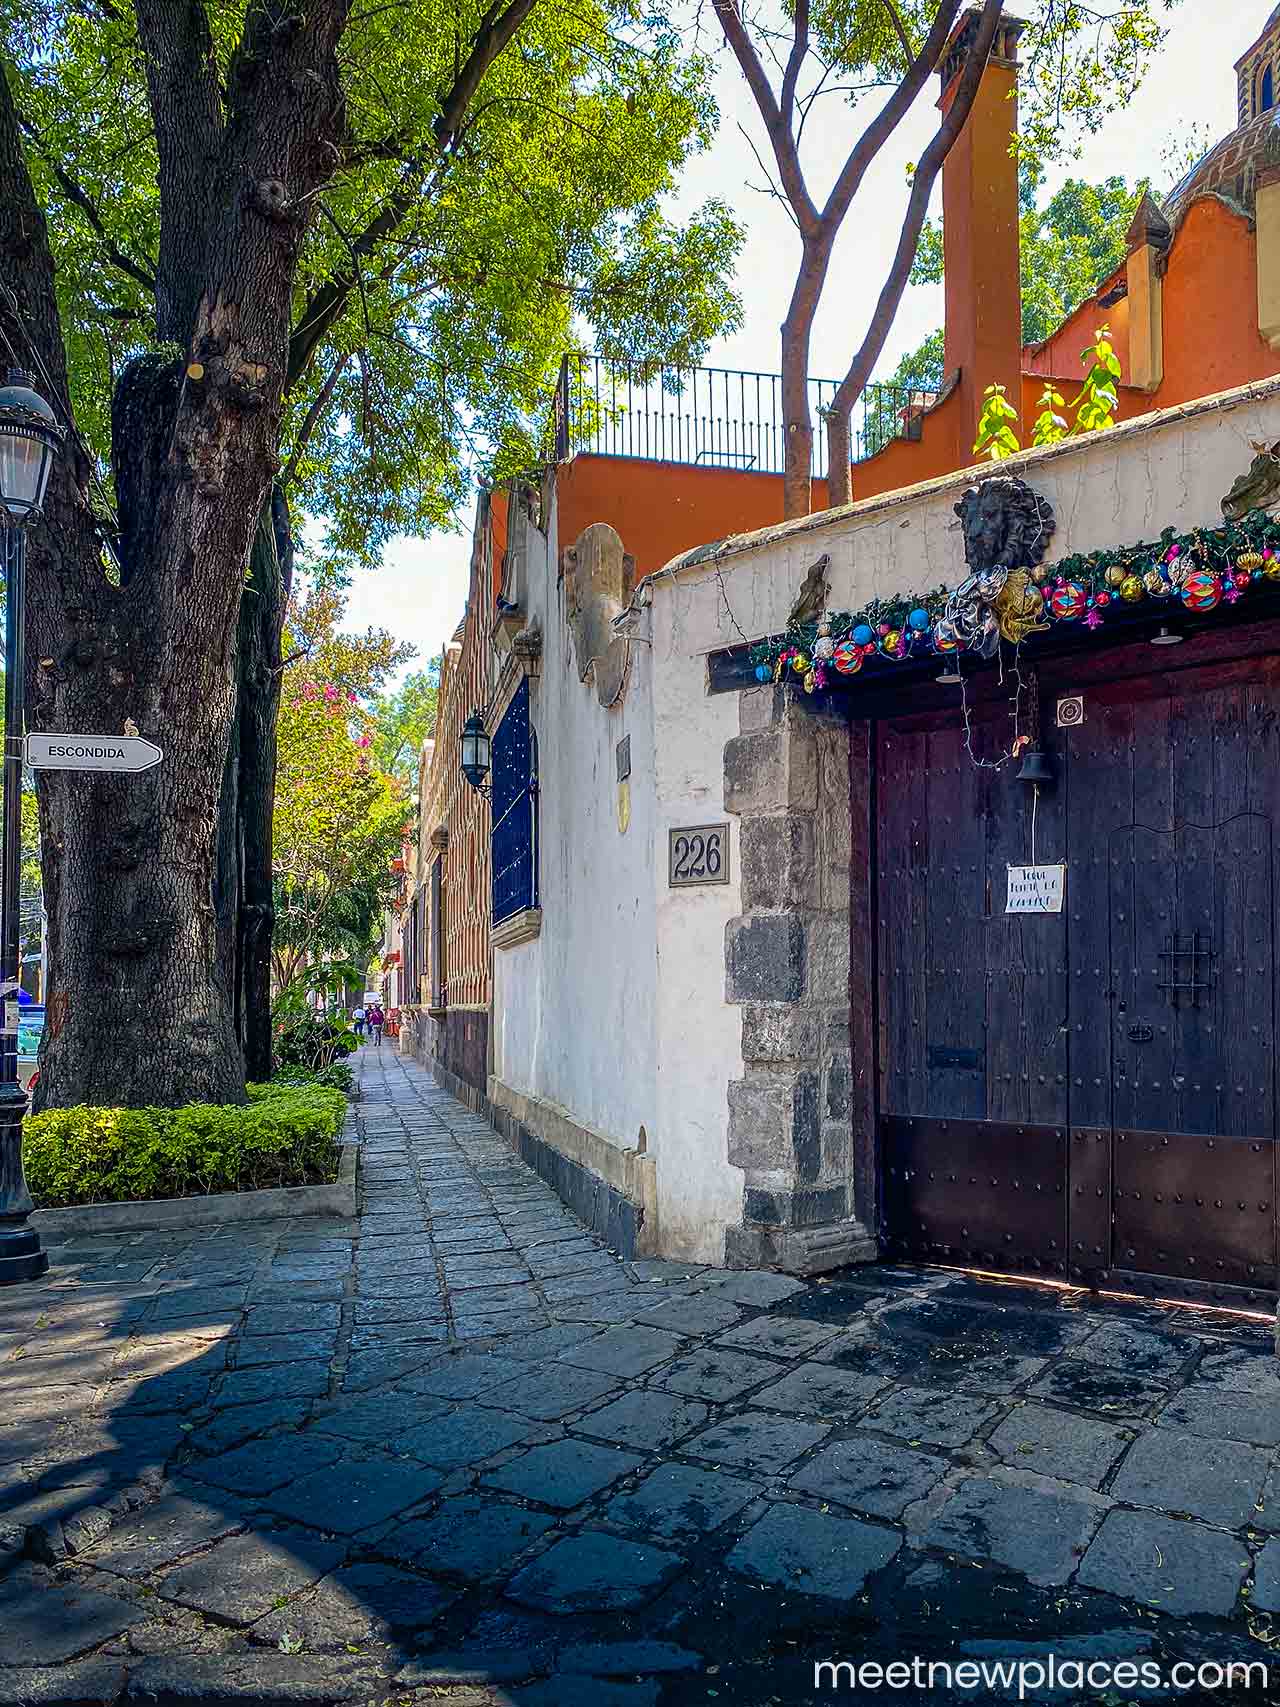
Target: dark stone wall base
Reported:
point(601, 1207)
point(467, 1094)
point(462, 1040)
point(799, 1250)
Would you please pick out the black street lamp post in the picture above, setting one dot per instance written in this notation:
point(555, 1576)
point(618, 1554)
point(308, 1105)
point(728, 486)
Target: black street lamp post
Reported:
point(29, 441)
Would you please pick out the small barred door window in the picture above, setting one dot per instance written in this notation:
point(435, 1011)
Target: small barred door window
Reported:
point(514, 772)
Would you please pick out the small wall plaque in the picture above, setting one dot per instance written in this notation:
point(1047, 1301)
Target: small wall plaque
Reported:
point(1036, 888)
point(697, 854)
point(1071, 712)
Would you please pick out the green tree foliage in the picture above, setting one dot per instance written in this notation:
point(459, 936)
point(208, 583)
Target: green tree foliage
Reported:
point(459, 264)
point(339, 823)
point(341, 811)
point(404, 719)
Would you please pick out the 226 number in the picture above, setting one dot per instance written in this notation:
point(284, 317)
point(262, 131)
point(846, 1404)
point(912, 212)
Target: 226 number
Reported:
point(697, 856)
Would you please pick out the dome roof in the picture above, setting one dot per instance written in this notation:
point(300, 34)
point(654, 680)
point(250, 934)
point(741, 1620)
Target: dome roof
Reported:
point(1230, 168)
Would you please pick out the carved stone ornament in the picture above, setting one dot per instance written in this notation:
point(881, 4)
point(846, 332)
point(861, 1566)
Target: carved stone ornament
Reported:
point(1006, 525)
point(1007, 528)
point(599, 577)
point(1258, 488)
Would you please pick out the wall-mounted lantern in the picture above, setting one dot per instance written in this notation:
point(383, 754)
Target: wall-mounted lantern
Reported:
point(475, 753)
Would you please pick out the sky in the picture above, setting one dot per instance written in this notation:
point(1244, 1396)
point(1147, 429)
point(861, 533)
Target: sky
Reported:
point(419, 592)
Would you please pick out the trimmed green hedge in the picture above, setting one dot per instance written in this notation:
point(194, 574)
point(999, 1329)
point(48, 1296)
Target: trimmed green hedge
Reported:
point(285, 1135)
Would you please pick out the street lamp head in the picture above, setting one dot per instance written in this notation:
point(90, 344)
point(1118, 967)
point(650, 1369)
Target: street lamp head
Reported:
point(475, 751)
point(30, 438)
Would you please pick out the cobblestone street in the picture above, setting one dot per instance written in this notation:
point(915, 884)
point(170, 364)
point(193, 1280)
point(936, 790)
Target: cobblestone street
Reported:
point(457, 1451)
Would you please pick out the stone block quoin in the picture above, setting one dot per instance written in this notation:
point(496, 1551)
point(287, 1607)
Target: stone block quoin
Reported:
point(786, 779)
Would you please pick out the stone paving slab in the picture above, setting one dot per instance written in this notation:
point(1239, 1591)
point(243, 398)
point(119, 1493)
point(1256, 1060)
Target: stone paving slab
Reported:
point(460, 1437)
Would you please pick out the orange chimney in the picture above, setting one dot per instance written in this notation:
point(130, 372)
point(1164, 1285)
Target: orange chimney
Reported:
point(983, 339)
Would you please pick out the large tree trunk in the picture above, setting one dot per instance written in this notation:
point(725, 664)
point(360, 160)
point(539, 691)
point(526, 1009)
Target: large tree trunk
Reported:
point(260, 663)
point(138, 1009)
point(136, 1012)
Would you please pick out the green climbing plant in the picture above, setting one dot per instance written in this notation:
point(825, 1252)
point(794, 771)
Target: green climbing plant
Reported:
point(996, 437)
point(1094, 408)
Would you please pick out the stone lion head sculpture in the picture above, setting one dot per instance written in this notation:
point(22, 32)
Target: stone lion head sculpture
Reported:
point(1006, 525)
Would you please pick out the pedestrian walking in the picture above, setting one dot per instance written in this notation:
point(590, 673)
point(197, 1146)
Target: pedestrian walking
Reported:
point(376, 1019)
point(357, 1020)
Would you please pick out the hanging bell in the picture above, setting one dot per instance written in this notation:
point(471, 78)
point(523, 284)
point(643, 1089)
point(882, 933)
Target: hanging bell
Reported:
point(1036, 767)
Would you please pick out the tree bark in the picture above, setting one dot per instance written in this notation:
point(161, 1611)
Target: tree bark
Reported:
point(839, 459)
point(931, 162)
point(139, 1009)
point(261, 676)
point(243, 886)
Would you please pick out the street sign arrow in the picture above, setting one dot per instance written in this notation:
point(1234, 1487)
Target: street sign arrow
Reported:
point(91, 753)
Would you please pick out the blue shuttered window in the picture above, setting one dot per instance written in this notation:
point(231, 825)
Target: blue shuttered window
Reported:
point(514, 780)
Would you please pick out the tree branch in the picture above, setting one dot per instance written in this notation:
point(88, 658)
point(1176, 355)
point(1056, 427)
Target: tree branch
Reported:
point(931, 162)
point(899, 29)
point(778, 132)
point(319, 403)
point(80, 197)
point(893, 112)
point(791, 76)
point(496, 30)
point(186, 110)
point(328, 302)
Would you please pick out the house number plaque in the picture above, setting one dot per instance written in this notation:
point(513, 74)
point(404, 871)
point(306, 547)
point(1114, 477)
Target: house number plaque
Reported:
point(696, 854)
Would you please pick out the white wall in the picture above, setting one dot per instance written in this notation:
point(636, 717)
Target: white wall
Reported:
point(616, 1014)
point(574, 1009)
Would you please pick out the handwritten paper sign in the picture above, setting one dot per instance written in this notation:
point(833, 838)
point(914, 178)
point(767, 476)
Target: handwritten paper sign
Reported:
point(1036, 888)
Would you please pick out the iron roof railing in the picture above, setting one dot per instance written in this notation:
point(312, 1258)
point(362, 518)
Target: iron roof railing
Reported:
point(710, 416)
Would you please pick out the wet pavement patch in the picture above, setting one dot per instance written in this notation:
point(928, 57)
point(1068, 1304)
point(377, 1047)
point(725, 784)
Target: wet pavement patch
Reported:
point(870, 1475)
point(1030, 1530)
point(1174, 1566)
point(594, 1573)
point(1109, 1392)
point(680, 1503)
point(1059, 1443)
point(813, 1553)
point(564, 1473)
point(468, 1537)
point(1218, 1481)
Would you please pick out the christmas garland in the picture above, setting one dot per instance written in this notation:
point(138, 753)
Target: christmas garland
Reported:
point(1199, 571)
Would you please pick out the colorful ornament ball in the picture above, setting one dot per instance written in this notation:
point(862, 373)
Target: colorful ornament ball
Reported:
point(1202, 590)
point(919, 620)
point(862, 634)
point(1068, 601)
point(1131, 589)
point(848, 657)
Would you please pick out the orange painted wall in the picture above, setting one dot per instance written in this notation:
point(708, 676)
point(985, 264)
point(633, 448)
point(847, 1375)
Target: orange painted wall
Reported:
point(941, 448)
point(663, 508)
point(1211, 337)
point(980, 233)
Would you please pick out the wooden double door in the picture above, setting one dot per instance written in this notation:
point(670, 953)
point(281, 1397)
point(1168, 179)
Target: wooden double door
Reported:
point(1086, 1095)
